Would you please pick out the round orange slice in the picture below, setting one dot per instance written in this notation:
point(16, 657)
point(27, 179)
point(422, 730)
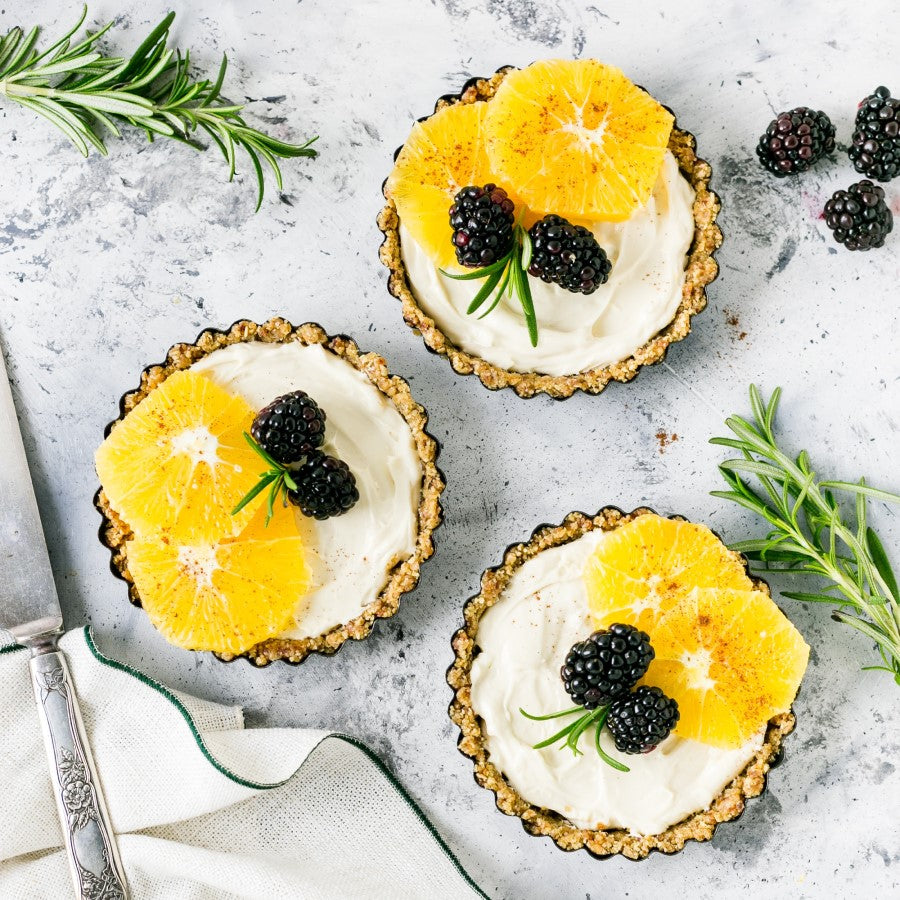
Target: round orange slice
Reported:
point(577, 138)
point(642, 569)
point(179, 462)
point(442, 155)
point(731, 659)
point(223, 595)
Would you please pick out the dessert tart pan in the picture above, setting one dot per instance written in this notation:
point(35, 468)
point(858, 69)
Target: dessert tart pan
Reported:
point(700, 270)
point(542, 822)
point(402, 578)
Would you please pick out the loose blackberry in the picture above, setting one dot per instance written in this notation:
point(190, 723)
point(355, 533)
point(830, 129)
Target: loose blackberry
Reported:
point(325, 487)
point(482, 220)
point(290, 427)
point(642, 719)
point(795, 140)
point(859, 216)
point(568, 255)
point(875, 146)
point(607, 664)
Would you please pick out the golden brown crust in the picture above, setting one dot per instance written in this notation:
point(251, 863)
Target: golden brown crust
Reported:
point(114, 532)
point(700, 269)
point(545, 822)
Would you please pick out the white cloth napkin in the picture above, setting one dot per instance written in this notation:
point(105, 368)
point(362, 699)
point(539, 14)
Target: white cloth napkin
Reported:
point(206, 810)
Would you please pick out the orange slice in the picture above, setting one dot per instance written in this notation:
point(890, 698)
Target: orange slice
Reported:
point(179, 462)
point(577, 138)
point(223, 595)
point(731, 659)
point(442, 155)
point(644, 568)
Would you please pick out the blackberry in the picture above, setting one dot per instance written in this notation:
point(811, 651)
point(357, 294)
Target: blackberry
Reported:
point(607, 664)
point(568, 255)
point(290, 427)
point(875, 146)
point(325, 487)
point(795, 140)
point(482, 220)
point(859, 216)
point(641, 720)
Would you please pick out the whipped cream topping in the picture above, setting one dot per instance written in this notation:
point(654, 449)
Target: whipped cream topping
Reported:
point(350, 555)
point(524, 638)
point(576, 331)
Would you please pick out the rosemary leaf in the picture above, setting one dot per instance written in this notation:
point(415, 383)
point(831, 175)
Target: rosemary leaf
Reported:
point(82, 92)
point(485, 290)
point(811, 531)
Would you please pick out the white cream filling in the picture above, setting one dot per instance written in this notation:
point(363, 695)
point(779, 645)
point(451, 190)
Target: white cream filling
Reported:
point(523, 639)
point(350, 555)
point(576, 331)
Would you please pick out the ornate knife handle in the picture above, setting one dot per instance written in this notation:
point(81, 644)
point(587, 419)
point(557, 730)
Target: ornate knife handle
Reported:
point(89, 839)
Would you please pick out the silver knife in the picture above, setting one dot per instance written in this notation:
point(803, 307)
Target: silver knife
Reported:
point(30, 612)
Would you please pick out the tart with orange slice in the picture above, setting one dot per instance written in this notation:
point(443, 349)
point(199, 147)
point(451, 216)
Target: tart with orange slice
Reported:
point(682, 668)
point(268, 492)
point(589, 248)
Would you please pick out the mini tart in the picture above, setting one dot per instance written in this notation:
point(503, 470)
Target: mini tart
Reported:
point(700, 270)
point(540, 821)
point(402, 577)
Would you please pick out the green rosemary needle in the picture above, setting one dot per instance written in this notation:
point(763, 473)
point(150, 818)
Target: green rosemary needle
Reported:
point(86, 94)
point(571, 733)
point(508, 275)
point(277, 478)
point(811, 533)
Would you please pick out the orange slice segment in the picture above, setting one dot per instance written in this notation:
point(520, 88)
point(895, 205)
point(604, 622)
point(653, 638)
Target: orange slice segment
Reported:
point(644, 568)
point(223, 595)
point(577, 138)
point(442, 155)
point(731, 659)
point(179, 462)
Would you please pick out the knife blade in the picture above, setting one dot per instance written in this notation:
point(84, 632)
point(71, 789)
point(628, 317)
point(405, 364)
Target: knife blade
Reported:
point(29, 605)
point(30, 612)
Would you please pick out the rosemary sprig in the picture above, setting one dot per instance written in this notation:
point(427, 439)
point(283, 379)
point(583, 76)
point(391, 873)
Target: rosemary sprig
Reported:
point(571, 733)
point(277, 478)
point(508, 275)
point(811, 533)
point(85, 93)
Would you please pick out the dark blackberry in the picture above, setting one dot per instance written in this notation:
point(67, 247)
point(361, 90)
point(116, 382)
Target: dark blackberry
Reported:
point(290, 427)
point(875, 147)
point(795, 140)
point(642, 719)
point(568, 255)
point(325, 487)
point(482, 220)
point(859, 217)
point(606, 665)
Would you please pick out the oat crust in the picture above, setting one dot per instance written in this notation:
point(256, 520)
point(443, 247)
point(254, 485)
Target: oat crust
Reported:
point(114, 532)
point(539, 821)
point(700, 269)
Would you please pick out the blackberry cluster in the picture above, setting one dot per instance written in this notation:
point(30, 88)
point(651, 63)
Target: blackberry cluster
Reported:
point(290, 427)
point(567, 255)
point(482, 220)
point(606, 665)
point(639, 721)
point(859, 217)
point(795, 140)
point(325, 487)
point(875, 147)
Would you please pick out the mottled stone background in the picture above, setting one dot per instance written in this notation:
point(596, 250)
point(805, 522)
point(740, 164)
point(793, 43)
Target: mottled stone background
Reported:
point(106, 262)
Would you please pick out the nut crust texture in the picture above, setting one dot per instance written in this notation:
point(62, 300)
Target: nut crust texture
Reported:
point(539, 821)
point(700, 270)
point(402, 578)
